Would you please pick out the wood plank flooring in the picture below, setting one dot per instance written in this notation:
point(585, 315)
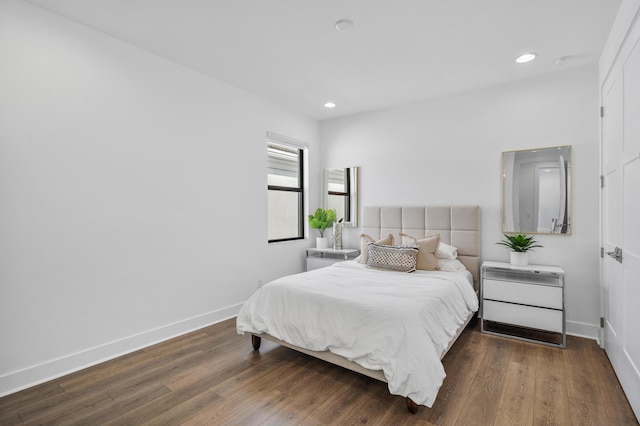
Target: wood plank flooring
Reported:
point(212, 376)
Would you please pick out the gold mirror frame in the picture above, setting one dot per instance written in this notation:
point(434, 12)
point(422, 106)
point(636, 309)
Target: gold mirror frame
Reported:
point(536, 191)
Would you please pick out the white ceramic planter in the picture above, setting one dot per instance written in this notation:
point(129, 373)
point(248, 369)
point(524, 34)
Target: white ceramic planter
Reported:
point(322, 242)
point(519, 258)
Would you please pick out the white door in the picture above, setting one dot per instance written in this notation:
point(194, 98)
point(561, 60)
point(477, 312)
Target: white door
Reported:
point(621, 218)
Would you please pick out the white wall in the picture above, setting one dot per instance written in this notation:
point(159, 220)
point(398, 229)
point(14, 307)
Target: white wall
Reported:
point(133, 196)
point(448, 151)
point(115, 227)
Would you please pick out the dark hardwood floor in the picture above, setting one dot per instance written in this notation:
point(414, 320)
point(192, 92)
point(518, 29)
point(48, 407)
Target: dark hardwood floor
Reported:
point(212, 376)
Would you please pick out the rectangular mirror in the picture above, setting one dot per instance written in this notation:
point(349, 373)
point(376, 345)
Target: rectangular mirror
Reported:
point(536, 191)
point(340, 192)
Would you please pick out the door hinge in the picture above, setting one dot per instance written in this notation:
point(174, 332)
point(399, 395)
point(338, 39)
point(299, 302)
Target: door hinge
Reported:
point(601, 111)
point(601, 322)
point(601, 181)
point(601, 251)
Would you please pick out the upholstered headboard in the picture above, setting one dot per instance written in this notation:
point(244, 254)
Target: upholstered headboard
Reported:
point(458, 226)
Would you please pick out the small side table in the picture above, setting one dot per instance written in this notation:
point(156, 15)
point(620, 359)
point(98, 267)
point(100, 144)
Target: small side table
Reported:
point(319, 258)
point(524, 302)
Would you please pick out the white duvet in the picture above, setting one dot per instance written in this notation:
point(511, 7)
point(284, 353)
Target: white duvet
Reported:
point(400, 323)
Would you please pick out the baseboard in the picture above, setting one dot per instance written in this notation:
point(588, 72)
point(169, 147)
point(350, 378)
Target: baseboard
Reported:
point(37, 374)
point(581, 329)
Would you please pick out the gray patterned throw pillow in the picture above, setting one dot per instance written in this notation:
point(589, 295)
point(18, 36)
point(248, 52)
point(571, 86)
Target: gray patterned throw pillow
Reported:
point(392, 258)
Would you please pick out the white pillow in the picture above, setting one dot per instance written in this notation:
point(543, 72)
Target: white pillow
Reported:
point(445, 251)
point(450, 265)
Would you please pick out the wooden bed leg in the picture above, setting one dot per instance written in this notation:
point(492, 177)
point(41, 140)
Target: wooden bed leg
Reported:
point(255, 342)
point(411, 406)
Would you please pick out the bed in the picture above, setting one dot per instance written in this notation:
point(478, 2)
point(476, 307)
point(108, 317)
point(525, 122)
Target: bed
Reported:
point(389, 325)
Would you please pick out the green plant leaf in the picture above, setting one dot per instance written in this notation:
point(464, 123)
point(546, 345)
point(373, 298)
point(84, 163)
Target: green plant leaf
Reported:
point(520, 243)
point(322, 219)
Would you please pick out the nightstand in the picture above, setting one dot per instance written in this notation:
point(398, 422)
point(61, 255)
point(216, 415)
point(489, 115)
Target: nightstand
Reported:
point(523, 302)
point(319, 258)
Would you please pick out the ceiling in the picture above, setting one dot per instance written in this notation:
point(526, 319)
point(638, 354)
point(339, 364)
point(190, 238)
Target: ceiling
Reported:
point(397, 51)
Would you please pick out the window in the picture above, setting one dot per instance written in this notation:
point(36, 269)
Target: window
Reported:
point(285, 188)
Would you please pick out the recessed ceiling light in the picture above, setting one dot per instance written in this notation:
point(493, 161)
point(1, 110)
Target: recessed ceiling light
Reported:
point(344, 24)
point(527, 57)
point(329, 105)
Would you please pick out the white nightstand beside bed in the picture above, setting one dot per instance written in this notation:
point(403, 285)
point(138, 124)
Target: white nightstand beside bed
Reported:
point(524, 302)
point(320, 258)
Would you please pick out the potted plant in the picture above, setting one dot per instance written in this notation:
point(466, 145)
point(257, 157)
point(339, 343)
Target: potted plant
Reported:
point(321, 220)
point(519, 245)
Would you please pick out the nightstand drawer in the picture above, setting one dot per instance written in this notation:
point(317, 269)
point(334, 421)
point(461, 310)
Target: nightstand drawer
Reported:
point(525, 316)
point(320, 258)
point(526, 294)
point(321, 262)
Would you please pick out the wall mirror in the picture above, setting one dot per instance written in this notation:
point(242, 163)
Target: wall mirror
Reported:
point(536, 191)
point(340, 192)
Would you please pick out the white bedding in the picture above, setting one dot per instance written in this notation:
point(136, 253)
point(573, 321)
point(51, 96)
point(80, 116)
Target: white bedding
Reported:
point(401, 323)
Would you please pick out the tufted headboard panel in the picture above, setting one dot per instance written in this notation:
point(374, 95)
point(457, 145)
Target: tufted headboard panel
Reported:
point(458, 226)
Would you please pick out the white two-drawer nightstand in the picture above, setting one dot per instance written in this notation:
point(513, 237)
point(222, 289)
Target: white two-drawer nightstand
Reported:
point(523, 302)
point(319, 258)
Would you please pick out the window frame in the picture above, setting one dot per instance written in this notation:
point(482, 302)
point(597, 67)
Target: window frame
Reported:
point(289, 143)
